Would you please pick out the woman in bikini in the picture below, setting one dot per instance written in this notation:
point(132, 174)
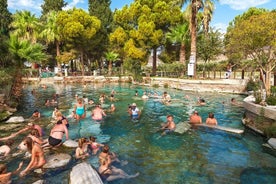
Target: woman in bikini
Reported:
point(110, 173)
point(56, 135)
point(63, 119)
point(81, 150)
point(37, 159)
point(80, 109)
point(94, 145)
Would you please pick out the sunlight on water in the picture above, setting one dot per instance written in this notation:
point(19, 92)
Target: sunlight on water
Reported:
point(198, 156)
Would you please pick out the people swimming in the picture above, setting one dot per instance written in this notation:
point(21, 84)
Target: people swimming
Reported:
point(81, 151)
point(134, 112)
point(166, 98)
point(169, 126)
point(98, 113)
point(201, 101)
point(5, 176)
point(145, 96)
point(211, 120)
point(94, 145)
point(6, 148)
point(195, 118)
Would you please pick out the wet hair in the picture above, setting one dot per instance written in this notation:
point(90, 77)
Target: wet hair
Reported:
point(9, 142)
point(232, 99)
point(111, 95)
point(92, 138)
point(81, 141)
point(211, 115)
point(35, 133)
point(36, 111)
point(3, 167)
point(170, 116)
point(29, 143)
point(105, 148)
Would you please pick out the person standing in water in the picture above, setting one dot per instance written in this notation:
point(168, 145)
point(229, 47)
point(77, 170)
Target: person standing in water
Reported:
point(211, 120)
point(79, 108)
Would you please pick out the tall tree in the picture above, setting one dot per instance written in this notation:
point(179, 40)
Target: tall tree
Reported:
point(144, 23)
point(26, 25)
point(52, 5)
point(180, 34)
point(51, 31)
point(254, 38)
point(209, 46)
point(101, 10)
point(111, 57)
point(195, 7)
point(5, 17)
point(5, 20)
point(77, 29)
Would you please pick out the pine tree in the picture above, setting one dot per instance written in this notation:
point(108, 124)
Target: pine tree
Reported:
point(50, 5)
point(101, 10)
point(5, 17)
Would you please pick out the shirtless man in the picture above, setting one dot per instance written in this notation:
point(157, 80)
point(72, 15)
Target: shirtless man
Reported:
point(98, 113)
point(195, 118)
point(169, 126)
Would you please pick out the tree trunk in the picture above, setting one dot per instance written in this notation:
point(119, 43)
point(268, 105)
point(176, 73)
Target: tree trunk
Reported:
point(182, 54)
point(58, 52)
point(82, 63)
point(154, 58)
point(193, 32)
point(110, 68)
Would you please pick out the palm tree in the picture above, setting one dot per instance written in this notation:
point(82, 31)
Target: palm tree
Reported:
point(180, 34)
point(207, 14)
point(111, 57)
point(26, 26)
point(195, 6)
point(21, 51)
point(50, 31)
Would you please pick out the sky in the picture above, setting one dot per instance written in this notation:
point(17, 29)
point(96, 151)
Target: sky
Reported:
point(225, 12)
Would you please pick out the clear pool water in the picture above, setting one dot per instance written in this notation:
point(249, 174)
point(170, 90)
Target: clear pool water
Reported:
point(198, 156)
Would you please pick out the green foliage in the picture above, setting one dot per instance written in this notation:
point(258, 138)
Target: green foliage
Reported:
point(155, 85)
point(5, 18)
point(5, 77)
point(141, 27)
point(271, 99)
point(270, 131)
point(166, 85)
point(101, 10)
point(173, 67)
point(26, 26)
point(52, 5)
point(252, 85)
point(209, 46)
point(24, 50)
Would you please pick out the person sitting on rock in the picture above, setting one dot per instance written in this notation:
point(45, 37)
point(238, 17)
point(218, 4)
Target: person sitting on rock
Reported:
point(81, 150)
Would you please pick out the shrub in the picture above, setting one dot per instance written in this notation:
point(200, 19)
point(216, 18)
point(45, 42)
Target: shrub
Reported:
point(166, 85)
point(252, 85)
point(270, 132)
point(271, 100)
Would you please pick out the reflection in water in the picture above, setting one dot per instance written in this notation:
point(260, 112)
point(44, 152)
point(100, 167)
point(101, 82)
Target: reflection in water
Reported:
point(198, 156)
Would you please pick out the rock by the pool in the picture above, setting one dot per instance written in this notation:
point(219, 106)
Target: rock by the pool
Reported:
point(182, 127)
point(57, 160)
point(70, 143)
point(39, 182)
point(272, 142)
point(15, 119)
point(83, 173)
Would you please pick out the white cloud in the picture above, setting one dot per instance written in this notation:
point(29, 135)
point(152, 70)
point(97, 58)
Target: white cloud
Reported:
point(243, 4)
point(25, 4)
point(222, 27)
point(73, 4)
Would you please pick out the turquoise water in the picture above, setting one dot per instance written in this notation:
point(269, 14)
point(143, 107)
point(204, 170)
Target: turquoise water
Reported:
point(198, 156)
